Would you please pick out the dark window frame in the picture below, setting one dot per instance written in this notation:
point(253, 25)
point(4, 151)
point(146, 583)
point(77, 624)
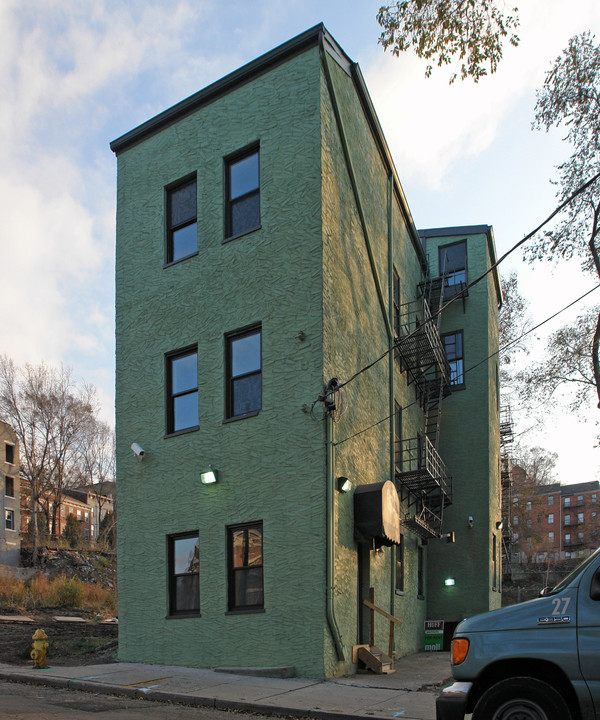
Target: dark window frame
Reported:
point(231, 203)
point(400, 580)
point(396, 301)
point(9, 453)
point(171, 228)
point(420, 573)
point(230, 379)
point(398, 448)
point(172, 575)
point(9, 481)
point(459, 275)
point(171, 396)
point(232, 572)
point(460, 359)
point(9, 519)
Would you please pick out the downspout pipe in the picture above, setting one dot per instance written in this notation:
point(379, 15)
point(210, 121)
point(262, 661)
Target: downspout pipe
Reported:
point(391, 368)
point(331, 620)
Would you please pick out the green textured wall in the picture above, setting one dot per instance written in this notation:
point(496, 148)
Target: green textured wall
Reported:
point(469, 445)
point(271, 466)
point(354, 332)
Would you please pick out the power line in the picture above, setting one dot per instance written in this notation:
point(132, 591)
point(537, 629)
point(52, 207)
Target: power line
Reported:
point(477, 280)
point(473, 367)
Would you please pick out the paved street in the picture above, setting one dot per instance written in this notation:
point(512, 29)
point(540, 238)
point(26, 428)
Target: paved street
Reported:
point(26, 702)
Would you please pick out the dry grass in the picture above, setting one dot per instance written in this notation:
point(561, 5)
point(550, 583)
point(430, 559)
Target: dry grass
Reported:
point(62, 592)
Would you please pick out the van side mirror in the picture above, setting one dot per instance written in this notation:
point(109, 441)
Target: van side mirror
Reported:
point(545, 591)
point(595, 586)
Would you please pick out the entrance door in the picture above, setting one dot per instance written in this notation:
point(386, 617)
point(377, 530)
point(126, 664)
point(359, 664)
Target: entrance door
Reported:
point(364, 585)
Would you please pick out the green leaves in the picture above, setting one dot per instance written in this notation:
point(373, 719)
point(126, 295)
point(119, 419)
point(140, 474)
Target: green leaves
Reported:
point(468, 31)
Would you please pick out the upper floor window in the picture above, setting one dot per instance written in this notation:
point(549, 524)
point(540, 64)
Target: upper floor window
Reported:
point(567, 519)
point(9, 455)
point(528, 505)
point(9, 519)
point(182, 390)
point(594, 497)
point(453, 345)
point(550, 518)
point(245, 566)
point(580, 499)
point(242, 193)
point(9, 486)
point(243, 372)
point(550, 499)
point(396, 301)
point(567, 502)
point(579, 518)
point(398, 436)
point(184, 574)
point(453, 265)
point(182, 233)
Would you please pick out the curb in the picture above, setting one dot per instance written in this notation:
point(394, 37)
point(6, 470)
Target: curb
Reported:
point(173, 698)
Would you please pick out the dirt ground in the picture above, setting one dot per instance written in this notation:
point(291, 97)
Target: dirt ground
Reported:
point(71, 644)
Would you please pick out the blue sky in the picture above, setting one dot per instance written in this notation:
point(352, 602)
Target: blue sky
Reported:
point(75, 75)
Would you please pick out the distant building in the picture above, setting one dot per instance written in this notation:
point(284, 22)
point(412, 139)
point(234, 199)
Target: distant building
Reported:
point(10, 495)
point(555, 521)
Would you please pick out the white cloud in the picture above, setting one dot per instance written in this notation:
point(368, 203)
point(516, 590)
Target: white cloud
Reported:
point(431, 126)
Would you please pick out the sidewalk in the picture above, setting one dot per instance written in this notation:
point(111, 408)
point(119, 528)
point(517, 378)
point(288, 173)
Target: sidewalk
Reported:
point(409, 693)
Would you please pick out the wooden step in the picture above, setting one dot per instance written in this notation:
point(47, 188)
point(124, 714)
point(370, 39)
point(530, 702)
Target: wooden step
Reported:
point(376, 660)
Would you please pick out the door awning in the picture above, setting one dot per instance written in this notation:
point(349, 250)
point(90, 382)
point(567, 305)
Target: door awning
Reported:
point(377, 514)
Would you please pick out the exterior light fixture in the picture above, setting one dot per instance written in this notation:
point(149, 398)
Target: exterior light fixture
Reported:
point(449, 582)
point(210, 476)
point(499, 525)
point(344, 485)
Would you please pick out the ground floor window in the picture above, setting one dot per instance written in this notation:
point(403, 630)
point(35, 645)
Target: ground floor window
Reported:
point(400, 566)
point(184, 574)
point(245, 566)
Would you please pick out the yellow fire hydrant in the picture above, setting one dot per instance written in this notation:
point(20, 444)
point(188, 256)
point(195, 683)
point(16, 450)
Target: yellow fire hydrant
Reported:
point(39, 645)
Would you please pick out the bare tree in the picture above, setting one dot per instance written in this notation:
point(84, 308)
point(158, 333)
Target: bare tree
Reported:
point(52, 417)
point(570, 97)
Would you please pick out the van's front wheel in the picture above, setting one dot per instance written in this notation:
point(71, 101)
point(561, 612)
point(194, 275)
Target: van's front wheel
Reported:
point(521, 698)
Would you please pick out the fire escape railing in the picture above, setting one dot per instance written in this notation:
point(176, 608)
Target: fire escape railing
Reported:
point(424, 480)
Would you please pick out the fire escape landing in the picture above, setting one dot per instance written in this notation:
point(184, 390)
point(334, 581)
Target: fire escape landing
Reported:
point(422, 478)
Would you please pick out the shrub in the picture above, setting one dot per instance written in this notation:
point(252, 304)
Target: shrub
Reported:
point(66, 592)
point(12, 593)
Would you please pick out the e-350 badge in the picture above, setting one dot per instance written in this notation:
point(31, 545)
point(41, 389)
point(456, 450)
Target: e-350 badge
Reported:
point(561, 606)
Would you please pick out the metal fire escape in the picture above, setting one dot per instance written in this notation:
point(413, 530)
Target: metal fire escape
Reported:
point(506, 481)
point(421, 475)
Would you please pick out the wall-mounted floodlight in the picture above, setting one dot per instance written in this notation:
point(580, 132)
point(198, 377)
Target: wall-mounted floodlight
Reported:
point(499, 525)
point(343, 484)
point(210, 476)
point(470, 521)
point(449, 582)
point(138, 451)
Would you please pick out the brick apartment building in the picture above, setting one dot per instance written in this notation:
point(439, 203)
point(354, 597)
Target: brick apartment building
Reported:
point(554, 521)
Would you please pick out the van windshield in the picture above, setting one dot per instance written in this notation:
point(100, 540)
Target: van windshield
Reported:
point(572, 575)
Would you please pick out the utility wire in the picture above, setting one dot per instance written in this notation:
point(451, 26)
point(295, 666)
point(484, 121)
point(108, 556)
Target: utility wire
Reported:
point(477, 280)
point(566, 307)
point(473, 367)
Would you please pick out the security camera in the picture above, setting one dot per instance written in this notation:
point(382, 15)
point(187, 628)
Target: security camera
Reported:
point(470, 521)
point(138, 451)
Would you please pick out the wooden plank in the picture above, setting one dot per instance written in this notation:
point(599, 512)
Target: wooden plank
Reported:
point(385, 614)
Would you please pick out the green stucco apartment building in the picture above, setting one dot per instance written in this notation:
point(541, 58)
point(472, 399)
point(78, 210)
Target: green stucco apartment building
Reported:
point(298, 425)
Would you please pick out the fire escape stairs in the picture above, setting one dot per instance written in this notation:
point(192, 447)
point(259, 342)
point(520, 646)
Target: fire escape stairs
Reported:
point(421, 475)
